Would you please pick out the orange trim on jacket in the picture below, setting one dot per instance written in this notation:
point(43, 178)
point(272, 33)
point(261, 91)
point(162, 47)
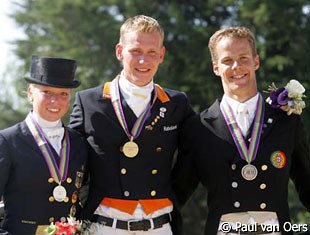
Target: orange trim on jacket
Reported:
point(161, 94)
point(129, 206)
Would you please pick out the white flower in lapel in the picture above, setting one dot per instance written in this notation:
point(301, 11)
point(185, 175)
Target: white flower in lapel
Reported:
point(288, 98)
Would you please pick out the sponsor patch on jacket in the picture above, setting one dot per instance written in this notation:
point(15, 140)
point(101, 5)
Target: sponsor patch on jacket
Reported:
point(170, 128)
point(278, 159)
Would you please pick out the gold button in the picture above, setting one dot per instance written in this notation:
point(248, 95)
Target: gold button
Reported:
point(66, 199)
point(51, 219)
point(264, 167)
point(153, 193)
point(262, 206)
point(50, 180)
point(69, 180)
point(262, 186)
point(123, 171)
point(158, 149)
point(51, 199)
point(154, 171)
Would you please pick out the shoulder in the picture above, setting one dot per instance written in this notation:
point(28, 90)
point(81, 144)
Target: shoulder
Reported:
point(174, 94)
point(75, 134)
point(11, 131)
point(94, 91)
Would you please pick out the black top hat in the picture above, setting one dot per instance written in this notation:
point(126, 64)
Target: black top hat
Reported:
point(55, 72)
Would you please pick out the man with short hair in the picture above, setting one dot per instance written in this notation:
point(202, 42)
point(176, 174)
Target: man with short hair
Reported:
point(132, 126)
point(242, 149)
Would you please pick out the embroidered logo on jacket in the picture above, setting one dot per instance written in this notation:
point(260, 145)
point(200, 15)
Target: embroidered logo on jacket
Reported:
point(278, 159)
point(170, 128)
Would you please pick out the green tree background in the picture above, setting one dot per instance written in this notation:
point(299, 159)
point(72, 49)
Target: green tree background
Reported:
point(87, 30)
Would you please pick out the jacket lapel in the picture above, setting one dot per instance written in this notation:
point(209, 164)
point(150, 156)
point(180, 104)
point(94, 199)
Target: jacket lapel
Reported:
point(28, 138)
point(272, 116)
point(213, 119)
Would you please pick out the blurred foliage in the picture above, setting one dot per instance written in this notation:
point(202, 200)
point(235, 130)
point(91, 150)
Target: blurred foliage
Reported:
point(87, 30)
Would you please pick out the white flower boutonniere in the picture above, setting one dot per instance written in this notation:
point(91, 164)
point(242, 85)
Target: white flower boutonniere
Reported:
point(288, 98)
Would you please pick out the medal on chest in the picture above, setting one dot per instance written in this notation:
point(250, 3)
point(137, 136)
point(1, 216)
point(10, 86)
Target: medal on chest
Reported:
point(130, 149)
point(249, 171)
point(59, 172)
point(59, 193)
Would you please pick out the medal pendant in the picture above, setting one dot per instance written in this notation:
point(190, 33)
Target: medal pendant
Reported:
point(130, 149)
point(59, 193)
point(249, 172)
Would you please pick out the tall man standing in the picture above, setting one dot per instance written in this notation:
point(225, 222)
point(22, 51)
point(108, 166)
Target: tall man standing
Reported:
point(243, 150)
point(132, 125)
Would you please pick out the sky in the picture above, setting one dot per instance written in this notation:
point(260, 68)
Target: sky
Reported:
point(8, 31)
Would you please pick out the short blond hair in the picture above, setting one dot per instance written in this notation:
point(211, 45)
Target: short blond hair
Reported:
point(231, 32)
point(141, 23)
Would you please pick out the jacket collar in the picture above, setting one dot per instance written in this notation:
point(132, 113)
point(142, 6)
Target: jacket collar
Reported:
point(213, 119)
point(161, 94)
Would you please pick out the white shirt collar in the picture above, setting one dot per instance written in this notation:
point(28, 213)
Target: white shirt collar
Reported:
point(46, 124)
point(250, 104)
point(136, 97)
point(129, 89)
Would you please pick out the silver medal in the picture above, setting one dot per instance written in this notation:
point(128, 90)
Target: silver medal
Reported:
point(249, 172)
point(59, 193)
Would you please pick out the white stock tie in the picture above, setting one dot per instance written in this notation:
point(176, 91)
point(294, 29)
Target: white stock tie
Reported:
point(243, 118)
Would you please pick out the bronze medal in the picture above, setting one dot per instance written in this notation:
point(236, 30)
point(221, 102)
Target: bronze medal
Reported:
point(249, 172)
point(130, 149)
point(59, 193)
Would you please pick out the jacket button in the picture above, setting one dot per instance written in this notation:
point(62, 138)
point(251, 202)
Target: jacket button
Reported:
point(233, 166)
point(264, 167)
point(153, 193)
point(69, 180)
point(154, 171)
point(126, 193)
point(236, 204)
point(234, 184)
point(51, 199)
point(123, 171)
point(50, 180)
point(158, 149)
point(262, 186)
point(263, 206)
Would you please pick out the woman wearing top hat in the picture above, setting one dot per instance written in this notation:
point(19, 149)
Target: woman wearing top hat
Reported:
point(42, 162)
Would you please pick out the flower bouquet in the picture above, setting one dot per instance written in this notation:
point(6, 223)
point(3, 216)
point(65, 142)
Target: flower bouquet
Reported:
point(71, 227)
point(288, 98)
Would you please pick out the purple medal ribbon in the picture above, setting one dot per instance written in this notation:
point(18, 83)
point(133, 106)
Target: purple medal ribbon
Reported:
point(117, 105)
point(58, 173)
point(247, 154)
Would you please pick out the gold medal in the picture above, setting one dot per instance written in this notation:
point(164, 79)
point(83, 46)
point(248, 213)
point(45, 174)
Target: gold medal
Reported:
point(59, 193)
point(249, 172)
point(130, 149)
